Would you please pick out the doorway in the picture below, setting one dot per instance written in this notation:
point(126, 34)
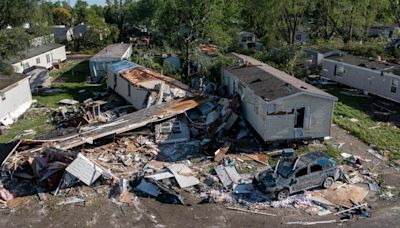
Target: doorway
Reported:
point(300, 113)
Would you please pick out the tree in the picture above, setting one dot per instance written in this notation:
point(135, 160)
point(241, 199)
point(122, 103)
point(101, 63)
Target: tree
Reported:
point(142, 12)
point(116, 12)
point(80, 11)
point(15, 12)
point(98, 9)
point(12, 44)
point(62, 16)
point(394, 9)
point(184, 23)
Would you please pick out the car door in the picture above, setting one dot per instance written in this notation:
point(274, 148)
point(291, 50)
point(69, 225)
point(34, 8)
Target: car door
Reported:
point(300, 179)
point(316, 175)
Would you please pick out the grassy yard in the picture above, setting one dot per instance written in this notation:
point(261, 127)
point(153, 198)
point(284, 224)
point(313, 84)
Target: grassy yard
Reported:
point(71, 83)
point(350, 114)
point(37, 121)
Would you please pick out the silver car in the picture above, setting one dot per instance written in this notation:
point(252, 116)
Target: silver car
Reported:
point(295, 174)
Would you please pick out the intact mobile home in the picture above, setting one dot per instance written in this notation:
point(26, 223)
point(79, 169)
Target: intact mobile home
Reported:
point(43, 56)
point(15, 97)
point(375, 77)
point(277, 105)
point(111, 54)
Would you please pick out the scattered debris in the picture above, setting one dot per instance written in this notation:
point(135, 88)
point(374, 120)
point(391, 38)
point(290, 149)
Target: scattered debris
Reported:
point(253, 212)
point(84, 169)
point(183, 175)
point(70, 200)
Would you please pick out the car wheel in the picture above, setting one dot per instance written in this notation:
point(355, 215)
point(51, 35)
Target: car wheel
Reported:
point(328, 182)
point(282, 194)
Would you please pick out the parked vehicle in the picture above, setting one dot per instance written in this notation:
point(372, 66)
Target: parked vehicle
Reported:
point(392, 45)
point(294, 174)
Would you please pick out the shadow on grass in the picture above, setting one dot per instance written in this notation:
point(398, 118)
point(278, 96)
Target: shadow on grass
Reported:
point(76, 74)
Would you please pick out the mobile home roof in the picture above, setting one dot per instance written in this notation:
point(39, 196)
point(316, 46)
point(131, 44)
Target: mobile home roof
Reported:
point(271, 83)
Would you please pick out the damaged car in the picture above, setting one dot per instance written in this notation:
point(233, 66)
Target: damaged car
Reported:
point(294, 174)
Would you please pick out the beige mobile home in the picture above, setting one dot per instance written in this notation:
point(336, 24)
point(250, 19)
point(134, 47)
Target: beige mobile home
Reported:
point(278, 106)
point(375, 77)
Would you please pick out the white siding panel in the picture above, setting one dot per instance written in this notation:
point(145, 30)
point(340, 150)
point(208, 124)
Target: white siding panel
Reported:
point(14, 98)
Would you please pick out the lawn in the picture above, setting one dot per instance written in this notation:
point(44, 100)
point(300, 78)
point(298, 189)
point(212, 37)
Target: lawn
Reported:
point(71, 82)
point(32, 119)
point(350, 114)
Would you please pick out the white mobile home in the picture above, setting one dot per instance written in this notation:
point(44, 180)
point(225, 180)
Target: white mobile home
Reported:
point(111, 54)
point(62, 33)
point(15, 97)
point(143, 87)
point(314, 57)
point(278, 106)
point(375, 77)
point(42, 56)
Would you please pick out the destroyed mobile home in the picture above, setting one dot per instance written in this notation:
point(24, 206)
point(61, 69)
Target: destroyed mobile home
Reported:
point(167, 150)
point(142, 87)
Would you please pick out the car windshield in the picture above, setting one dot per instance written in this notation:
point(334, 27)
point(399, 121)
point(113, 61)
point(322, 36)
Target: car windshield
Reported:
point(285, 166)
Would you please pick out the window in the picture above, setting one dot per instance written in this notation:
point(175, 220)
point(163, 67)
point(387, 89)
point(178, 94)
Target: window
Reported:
point(395, 85)
point(301, 172)
point(48, 58)
point(339, 70)
point(315, 168)
point(129, 89)
point(38, 60)
point(25, 66)
point(115, 81)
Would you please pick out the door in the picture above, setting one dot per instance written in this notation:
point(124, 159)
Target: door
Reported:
point(316, 175)
point(300, 180)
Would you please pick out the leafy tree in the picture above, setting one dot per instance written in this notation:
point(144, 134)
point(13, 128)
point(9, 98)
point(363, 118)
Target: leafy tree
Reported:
point(292, 14)
point(394, 10)
point(98, 9)
point(80, 11)
point(142, 12)
point(62, 16)
point(15, 12)
point(12, 43)
point(184, 23)
point(116, 12)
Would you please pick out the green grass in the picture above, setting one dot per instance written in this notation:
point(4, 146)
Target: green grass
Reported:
point(37, 121)
point(71, 79)
point(385, 136)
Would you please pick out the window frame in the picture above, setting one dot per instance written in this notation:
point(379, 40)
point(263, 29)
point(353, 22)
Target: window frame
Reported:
point(394, 85)
point(342, 72)
point(298, 171)
point(313, 165)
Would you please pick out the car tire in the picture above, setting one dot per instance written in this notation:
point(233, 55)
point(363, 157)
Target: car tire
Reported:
point(328, 182)
point(282, 194)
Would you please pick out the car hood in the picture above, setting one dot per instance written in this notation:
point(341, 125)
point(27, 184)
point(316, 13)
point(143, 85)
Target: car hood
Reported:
point(267, 177)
